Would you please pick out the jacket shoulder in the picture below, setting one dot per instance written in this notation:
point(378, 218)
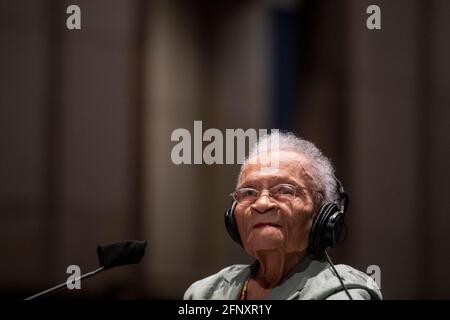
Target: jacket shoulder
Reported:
point(326, 285)
point(206, 288)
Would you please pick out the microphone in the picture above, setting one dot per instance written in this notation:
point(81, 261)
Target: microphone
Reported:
point(109, 256)
point(121, 253)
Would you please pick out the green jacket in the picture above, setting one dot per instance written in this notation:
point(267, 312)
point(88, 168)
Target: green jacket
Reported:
point(311, 279)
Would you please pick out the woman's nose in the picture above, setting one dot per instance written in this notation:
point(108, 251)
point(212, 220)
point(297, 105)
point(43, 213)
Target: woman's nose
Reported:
point(264, 203)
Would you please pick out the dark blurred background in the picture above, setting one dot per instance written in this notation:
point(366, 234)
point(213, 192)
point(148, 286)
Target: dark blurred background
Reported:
point(86, 119)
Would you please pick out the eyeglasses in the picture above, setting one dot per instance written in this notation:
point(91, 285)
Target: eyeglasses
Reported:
point(281, 193)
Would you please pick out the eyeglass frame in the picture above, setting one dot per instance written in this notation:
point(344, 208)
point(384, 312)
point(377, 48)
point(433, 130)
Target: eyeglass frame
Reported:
point(296, 187)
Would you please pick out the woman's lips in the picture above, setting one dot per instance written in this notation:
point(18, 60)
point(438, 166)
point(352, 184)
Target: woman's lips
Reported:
point(266, 224)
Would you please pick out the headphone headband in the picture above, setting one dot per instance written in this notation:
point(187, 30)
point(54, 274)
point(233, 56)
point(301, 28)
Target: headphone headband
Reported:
point(343, 196)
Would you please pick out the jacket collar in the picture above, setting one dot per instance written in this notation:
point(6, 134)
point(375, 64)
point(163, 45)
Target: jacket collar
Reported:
point(234, 280)
point(289, 289)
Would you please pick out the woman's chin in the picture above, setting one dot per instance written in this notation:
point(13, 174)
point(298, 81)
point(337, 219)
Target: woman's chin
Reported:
point(260, 242)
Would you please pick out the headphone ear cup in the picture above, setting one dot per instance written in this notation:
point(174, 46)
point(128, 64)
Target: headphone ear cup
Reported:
point(333, 229)
point(326, 228)
point(231, 225)
point(314, 233)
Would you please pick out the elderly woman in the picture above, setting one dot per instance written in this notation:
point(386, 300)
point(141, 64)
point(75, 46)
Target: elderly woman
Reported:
point(287, 209)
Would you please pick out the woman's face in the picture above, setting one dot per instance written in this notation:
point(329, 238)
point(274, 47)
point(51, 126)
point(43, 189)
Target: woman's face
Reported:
point(268, 224)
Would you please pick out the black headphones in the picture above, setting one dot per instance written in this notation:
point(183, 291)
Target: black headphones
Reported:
point(326, 230)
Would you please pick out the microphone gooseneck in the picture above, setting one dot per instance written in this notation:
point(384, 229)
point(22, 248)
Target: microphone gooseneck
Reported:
point(109, 256)
point(63, 285)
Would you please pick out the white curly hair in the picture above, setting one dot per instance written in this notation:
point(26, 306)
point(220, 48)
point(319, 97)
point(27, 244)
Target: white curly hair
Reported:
point(318, 166)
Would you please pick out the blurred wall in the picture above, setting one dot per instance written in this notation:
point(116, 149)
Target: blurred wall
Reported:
point(68, 168)
point(377, 102)
point(209, 64)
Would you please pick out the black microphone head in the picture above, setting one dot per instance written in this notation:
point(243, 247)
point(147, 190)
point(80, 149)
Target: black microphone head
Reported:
point(121, 253)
